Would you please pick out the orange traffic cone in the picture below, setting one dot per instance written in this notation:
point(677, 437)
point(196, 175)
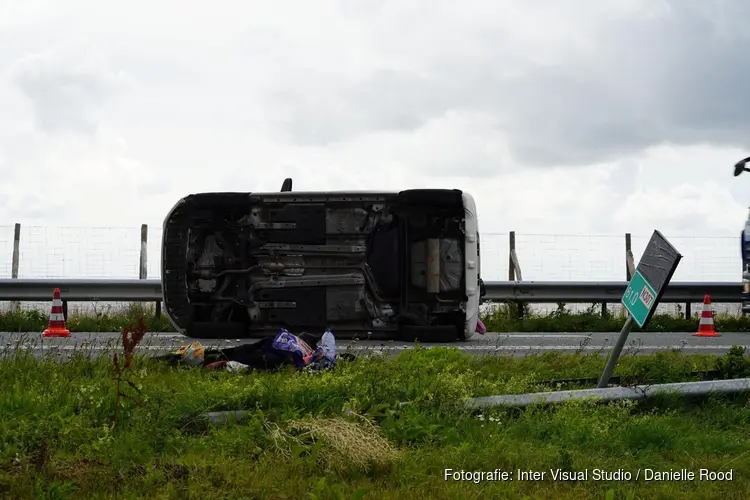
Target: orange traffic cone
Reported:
point(706, 324)
point(56, 327)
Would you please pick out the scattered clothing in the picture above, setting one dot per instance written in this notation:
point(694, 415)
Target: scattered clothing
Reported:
point(191, 354)
point(324, 356)
point(235, 366)
point(293, 346)
point(305, 351)
point(216, 365)
point(481, 329)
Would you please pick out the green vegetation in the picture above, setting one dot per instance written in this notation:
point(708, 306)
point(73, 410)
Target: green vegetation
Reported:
point(504, 318)
point(344, 434)
point(98, 320)
point(501, 318)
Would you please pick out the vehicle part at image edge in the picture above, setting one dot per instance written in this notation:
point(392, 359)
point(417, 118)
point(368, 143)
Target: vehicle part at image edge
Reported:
point(739, 168)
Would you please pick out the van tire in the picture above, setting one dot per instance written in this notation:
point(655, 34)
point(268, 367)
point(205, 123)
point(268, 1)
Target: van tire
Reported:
point(212, 330)
point(443, 198)
point(430, 334)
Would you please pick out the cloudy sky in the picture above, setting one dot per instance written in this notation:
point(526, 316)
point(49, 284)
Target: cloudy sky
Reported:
point(560, 116)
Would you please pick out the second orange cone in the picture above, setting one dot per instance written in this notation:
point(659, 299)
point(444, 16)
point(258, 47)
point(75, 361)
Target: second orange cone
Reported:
point(57, 326)
point(706, 324)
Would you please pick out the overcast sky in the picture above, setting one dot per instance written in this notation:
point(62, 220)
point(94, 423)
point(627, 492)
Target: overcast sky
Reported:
point(560, 116)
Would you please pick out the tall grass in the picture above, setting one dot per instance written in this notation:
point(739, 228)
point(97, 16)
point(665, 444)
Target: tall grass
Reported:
point(347, 434)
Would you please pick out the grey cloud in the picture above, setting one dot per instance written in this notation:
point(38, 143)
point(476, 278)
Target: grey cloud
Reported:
point(313, 111)
point(66, 89)
point(679, 76)
point(678, 80)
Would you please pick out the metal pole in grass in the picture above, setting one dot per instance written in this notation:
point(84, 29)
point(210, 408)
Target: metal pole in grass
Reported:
point(616, 350)
point(16, 259)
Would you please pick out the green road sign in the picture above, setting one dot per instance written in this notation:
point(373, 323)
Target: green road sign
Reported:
point(639, 298)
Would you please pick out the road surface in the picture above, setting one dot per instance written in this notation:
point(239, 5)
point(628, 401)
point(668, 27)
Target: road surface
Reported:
point(517, 344)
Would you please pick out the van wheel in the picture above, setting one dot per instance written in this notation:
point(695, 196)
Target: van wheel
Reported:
point(448, 198)
point(430, 334)
point(211, 330)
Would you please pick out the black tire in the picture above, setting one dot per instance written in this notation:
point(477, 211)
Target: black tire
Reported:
point(211, 330)
point(430, 334)
point(448, 198)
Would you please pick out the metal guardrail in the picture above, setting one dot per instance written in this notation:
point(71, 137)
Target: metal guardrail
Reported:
point(149, 290)
point(607, 291)
point(81, 290)
point(636, 393)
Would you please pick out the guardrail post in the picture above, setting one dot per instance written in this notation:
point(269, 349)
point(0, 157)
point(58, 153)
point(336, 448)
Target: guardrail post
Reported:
point(511, 249)
point(143, 267)
point(16, 258)
point(629, 261)
point(628, 253)
point(512, 264)
point(143, 264)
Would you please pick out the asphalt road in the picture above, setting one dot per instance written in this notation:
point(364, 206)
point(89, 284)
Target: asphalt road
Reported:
point(517, 344)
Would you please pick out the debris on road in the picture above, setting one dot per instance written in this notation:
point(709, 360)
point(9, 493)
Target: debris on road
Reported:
point(191, 354)
point(481, 329)
point(306, 352)
point(225, 417)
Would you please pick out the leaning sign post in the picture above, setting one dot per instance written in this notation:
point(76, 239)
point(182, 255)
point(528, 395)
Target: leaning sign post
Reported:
point(655, 269)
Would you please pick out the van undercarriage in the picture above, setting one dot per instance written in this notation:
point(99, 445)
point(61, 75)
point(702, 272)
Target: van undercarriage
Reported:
point(377, 265)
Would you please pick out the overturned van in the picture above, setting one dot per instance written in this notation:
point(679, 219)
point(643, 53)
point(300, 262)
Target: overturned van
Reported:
point(380, 265)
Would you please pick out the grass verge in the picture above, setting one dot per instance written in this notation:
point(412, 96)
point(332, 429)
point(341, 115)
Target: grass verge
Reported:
point(108, 319)
point(343, 434)
point(500, 318)
point(504, 318)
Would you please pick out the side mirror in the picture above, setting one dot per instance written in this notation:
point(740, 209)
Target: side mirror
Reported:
point(287, 185)
point(741, 166)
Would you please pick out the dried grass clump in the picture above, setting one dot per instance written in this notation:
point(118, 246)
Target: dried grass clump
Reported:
point(344, 444)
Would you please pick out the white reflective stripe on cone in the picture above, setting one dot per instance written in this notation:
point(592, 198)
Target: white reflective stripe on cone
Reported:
point(56, 317)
